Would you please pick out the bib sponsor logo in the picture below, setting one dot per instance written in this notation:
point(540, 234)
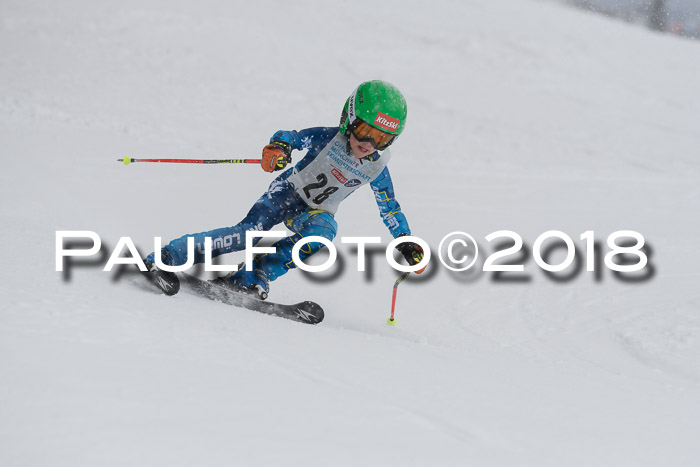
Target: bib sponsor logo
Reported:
point(386, 122)
point(338, 176)
point(352, 183)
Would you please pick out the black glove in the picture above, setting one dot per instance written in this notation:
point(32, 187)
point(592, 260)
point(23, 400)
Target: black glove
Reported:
point(413, 252)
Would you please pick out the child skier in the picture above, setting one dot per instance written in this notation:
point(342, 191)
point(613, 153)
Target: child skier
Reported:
point(305, 197)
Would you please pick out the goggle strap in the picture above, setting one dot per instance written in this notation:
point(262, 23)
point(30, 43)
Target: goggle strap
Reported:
point(351, 108)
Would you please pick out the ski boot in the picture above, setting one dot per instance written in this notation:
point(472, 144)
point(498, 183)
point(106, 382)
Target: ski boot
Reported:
point(253, 282)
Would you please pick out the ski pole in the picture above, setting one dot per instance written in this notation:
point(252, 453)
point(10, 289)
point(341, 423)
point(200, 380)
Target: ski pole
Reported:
point(391, 320)
point(128, 160)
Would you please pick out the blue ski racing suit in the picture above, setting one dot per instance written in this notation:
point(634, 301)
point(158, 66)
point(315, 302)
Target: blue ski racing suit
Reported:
point(304, 198)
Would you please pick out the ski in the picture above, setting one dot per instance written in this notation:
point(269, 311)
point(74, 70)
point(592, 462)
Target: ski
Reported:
point(165, 281)
point(304, 312)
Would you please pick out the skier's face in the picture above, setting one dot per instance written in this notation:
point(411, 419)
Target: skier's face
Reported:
point(360, 149)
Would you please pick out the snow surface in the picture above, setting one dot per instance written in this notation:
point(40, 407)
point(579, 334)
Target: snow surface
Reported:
point(524, 115)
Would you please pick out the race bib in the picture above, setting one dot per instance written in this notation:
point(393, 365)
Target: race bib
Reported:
point(334, 174)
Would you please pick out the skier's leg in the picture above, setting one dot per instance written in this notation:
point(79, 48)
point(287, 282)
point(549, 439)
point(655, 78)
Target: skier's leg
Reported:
point(269, 210)
point(224, 240)
point(310, 223)
point(269, 267)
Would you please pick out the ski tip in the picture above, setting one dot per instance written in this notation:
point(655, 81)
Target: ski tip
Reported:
point(309, 312)
point(391, 321)
point(174, 289)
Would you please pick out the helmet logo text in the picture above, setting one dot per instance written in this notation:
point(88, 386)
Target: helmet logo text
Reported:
point(386, 122)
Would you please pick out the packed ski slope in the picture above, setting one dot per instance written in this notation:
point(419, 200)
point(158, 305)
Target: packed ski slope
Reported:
point(523, 115)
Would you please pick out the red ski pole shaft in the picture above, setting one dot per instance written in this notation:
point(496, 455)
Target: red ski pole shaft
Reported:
point(128, 160)
point(392, 320)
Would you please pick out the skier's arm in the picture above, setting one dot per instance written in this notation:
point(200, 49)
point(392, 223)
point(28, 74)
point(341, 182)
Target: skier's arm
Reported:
point(394, 219)
point(278, 153)
point(389, 208)
point(304, 139)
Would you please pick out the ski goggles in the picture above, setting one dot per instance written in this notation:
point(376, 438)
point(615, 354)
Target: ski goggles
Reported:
point(363, 131)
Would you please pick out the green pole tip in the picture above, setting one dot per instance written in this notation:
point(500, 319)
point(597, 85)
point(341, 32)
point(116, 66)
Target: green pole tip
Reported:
point(391, 321)
point(127, 160)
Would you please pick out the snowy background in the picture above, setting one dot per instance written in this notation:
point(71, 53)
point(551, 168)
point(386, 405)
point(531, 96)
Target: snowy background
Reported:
point(523, 115)
point(673, 16)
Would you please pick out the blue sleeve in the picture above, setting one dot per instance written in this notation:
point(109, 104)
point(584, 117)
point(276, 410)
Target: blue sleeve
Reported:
point(313, 139)
point(309, 138)
point(389, 208)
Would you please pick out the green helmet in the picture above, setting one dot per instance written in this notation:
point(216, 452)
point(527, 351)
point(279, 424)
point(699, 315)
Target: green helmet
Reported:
point(377, 103)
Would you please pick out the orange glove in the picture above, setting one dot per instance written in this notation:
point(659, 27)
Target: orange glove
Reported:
point(276, 156)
